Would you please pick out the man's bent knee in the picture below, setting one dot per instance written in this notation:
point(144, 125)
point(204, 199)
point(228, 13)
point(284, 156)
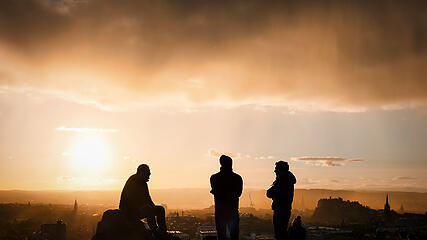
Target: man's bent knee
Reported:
point(160, 210)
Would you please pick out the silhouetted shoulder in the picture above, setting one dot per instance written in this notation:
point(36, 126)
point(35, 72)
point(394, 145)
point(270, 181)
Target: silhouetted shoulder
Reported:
point(292, 178)
point(132, 179)
point(213, 176)
point(237, 176)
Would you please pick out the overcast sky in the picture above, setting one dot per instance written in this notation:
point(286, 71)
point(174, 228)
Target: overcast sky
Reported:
point(337, 88)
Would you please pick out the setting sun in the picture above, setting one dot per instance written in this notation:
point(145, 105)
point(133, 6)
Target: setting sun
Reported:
point(237, 120)
point(90, 153)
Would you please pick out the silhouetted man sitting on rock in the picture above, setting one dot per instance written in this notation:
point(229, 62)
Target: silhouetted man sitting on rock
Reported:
point(227, 187)
point(282, 193)
point(136, 203)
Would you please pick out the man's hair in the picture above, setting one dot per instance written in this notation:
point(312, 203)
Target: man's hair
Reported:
point(282, 166)
point(225, 161)
point(142, 169)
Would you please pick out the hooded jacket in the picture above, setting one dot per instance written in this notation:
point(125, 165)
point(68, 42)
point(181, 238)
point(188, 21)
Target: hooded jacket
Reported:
point(282, 191)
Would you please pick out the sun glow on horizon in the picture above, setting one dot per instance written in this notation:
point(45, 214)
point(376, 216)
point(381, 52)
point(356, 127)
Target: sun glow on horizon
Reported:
point(90, 154)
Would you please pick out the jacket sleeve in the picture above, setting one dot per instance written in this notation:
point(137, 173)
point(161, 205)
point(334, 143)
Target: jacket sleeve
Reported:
point(123, 197)
point(146, 193)
point(271, 192)
point(213, 188)
point(239, 187)
point(150, 201)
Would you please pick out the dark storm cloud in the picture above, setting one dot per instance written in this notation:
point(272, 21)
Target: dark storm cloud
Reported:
point(341, 53)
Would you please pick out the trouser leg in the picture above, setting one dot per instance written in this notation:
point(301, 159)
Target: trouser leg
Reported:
point(280, 222)
point(276, 224)
point(233, 226)
point(161, 218)
point(155, 218)
point(152, 223)
point(287, 215)
point(220, 227)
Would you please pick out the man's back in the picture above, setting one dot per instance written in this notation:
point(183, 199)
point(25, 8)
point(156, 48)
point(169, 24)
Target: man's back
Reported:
point(227, 187)
point(134, 195)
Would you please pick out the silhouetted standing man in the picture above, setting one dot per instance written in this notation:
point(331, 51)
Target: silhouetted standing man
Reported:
point(226, 187)
point(136, 203)
point(282, 193)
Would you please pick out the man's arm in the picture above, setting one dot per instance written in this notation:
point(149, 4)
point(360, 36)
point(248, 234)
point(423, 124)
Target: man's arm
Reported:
point(124, 197)
point(149, 200)
point(271, 192)
point(213, 186)
point(122, 203)
point(240, 186)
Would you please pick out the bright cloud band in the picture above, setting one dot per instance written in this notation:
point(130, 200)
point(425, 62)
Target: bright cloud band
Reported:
point(86, 130)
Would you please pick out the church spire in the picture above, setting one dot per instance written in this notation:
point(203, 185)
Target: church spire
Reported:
point(76, 207)
point(386, 206)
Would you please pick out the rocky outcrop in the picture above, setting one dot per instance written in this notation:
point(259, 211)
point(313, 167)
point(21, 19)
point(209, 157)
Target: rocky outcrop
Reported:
point(114, 226)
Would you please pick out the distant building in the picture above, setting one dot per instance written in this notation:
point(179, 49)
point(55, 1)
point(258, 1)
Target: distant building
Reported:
point(335, 211)
point(55, 231)
point(181, 235)
point(206, 233)
point(76, 207)
point(386, 206)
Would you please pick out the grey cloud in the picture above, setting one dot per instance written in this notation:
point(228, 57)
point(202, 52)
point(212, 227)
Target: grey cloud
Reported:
point(215, 153)
point(326, 161)
point(403, 178)
point(337, 53)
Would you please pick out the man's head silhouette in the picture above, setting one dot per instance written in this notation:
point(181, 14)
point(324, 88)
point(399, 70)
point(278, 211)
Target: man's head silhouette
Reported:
point(297, 221)
point(281, 166)
point(143, 172)
point(226, 162)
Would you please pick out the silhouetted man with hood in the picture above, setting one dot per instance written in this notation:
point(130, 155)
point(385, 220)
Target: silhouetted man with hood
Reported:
point(226, 187)
point(297, 231)
point(282, 193)
point(136, 202)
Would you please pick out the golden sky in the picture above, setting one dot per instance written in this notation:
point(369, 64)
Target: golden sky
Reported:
point(337, 88)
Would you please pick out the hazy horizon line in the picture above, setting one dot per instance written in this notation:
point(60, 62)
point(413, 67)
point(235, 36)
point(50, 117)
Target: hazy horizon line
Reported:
point(190, 188)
